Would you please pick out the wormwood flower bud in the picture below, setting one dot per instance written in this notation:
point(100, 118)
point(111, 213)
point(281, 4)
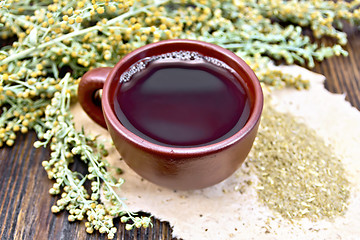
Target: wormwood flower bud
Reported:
point(94, 197)
point(145, 221)
point(55, 209)
point(38, 144)
point(110, 235)
point(102, 229)
point(100, 10)
point(24, 129)
point(10, 142)
point(56, 185)
point(78, 19)
point(5, 76)
point(124, 219)
point(91, 176)
point(52, 191)
point(50, 174)
point(129, 227)
point(71, 218)
point(138, 224)
point(76, 150)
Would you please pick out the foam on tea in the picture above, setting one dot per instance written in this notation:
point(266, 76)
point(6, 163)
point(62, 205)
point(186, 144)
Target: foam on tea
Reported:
point(181, 99)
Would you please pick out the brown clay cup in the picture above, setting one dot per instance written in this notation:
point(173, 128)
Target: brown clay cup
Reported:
point(172, 167)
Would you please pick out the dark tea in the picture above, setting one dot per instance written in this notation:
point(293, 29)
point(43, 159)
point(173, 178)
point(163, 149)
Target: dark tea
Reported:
point(182, 100)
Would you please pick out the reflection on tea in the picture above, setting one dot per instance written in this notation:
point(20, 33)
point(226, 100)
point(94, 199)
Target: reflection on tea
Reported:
point(182, 102)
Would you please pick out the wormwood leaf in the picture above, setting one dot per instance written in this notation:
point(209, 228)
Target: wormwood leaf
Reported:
point(55, 70)
point(33, 37)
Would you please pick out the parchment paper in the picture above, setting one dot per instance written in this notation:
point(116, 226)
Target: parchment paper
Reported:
point(221, 211)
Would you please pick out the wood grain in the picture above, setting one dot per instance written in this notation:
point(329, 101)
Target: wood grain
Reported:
point(343, 73)
point(25, 202)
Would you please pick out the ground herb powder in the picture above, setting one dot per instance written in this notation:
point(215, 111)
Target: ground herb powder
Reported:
point(299, 176)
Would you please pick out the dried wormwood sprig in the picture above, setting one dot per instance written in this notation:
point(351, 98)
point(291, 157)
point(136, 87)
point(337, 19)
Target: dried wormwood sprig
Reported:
point(65, 143)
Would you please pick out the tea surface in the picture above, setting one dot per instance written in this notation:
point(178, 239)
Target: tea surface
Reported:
point(182, 103)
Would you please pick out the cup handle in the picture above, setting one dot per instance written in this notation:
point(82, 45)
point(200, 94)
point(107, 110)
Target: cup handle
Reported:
point(89, 85)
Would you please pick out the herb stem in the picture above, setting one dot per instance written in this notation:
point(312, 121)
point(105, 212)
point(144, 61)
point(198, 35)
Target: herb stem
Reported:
point(29, 51)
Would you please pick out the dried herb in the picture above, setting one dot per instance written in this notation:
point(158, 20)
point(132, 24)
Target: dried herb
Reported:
point(65, 143)
point(299, 176)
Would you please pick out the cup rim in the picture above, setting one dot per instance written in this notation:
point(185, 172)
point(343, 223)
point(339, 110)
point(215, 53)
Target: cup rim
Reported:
point(134, 56)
